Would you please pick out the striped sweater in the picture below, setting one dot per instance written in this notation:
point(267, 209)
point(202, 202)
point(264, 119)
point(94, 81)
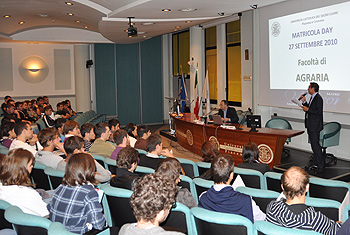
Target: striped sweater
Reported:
point(282, 214)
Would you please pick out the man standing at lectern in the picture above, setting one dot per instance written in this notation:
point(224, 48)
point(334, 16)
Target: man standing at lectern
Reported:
point(227, 114)
point(314, 124)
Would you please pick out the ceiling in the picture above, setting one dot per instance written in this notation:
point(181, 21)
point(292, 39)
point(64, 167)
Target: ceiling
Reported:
point(109, 18)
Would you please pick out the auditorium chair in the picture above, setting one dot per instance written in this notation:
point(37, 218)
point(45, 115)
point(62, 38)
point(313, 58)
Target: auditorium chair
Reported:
point(267, 228)
point(251, 178)
point(201, 185)
point(3, 149)
point(280, 123)
point(58, 228)
point(142, 170)
point(39, 177)
point(261, 197)
point(26, 224)
point(100, 159)
point(111, 165)
point(55, 177)
point(210, 222)
point(203, 167)
point(141, 151)
point(41, 124)
point(190, 168)
point(328, 207)
point(3, 222)
point(273, 181)
point(187, 182)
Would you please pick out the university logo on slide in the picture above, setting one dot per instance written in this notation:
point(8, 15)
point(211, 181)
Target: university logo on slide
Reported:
point(275, 29)
point(265, 153)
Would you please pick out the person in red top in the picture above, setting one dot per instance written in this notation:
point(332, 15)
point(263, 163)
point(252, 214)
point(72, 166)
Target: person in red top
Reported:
point(143, 132)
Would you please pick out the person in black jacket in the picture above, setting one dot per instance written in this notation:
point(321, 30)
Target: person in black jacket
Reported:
point(314, 124)
point(227, 114)
point(250, 156)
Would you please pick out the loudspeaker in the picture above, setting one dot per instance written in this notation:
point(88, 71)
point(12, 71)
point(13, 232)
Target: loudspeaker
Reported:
point(89, 63)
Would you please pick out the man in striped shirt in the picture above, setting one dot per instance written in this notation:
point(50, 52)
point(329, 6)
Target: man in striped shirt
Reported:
point(292, 211)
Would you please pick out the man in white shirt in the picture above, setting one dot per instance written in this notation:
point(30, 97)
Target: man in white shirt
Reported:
point(24, 132)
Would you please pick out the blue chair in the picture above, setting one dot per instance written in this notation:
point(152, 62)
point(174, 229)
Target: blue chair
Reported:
point(251, 178)
point(187, 182)
point(267, 228)
point(142, 170)
point(190, 168)
point(203, 167)
point(26, 224)
point(328, 189)
point(58, 228)
point(261, 197)
point(201, 185)
point(41, 124)
point(210, 222)
point(179, 219)
point(100, 159)
point(111, 165)
point(273, 181)
point(3, 149)
point(280, 123)
point(39, 178)
point(329, 208)
point(55, 177)
point(3, 222)
point(141, 151)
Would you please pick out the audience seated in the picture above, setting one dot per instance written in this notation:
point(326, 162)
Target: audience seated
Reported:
point(131, 129)
point(221, 197)
point(75, 202)
point(121, 139)
point(6, 98)
point(33, 116)
point(101, 146)
point(10, 114)
point(209, 152)
point(87, 131)
point(75, 144)
point(19, 109)
point(151, 202)
point(113, 125)
point(59, 126)
point(251, 158)
point(24, 133)
point(154, 148)
point(48, 117)
point(126, 165)
point(292, 211)
point(15, 184)
point(61, 111)
point(67, 106)
point(7, 132)
point(49, 138)
point(171, 167)
point(71, 128)
point(143, 133)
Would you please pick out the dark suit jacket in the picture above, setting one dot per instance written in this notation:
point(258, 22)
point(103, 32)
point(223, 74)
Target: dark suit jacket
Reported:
point(231, 113)
point(314, 116)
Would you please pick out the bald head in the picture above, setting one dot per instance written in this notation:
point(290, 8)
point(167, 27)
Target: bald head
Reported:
point(294, 182)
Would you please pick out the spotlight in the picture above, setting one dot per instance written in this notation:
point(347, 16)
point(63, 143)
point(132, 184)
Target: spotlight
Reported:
point(255, 6)
point(132, 31)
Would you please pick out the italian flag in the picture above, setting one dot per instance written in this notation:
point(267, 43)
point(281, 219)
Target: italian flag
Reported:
point(196, 108)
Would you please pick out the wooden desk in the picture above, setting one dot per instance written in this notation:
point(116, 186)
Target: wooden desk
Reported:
point(270, 141)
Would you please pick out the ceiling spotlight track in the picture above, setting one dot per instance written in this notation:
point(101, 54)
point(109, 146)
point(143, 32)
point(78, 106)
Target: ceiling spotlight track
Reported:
point(132, 31)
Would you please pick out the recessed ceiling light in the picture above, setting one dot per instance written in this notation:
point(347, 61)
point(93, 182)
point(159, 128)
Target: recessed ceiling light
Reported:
point(21, 22)
point(70, 14)
point(7, 16)
point(43, 15)
point(147, 23)
point(188, 9)
point(69, 3)
point(178, 26)
point(166, 10)
point(86, 27)
point(77, 21)
point(189, 21)
point(144, 36)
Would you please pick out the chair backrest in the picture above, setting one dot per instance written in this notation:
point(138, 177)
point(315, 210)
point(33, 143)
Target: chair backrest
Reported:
point(251, 178)
point(3, 222)
point(26, 224)
point(179, 219)
point(279, 123)
point(201, 185)
point(116, 204)
point(273, 181)
point(39, 177)
point(3, 149)
point(58, 228)
point(142, 170)
point(330, 134)
point(187, 182)
point(328, 189)
point(111, 165)
point(261, 197)
point(211, 222)
point(100, 159)
point(203, 167)
point(141, 151)
point(264, 227)
point(55, 176)
point(329, 208)
point(190, 168)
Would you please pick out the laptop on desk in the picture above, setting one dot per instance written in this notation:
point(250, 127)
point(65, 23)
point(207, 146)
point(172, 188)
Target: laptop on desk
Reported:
point(217, 120)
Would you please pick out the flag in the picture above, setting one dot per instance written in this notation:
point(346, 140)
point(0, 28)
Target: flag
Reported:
point(196, 108)
point(205, 93)
point(183, 94)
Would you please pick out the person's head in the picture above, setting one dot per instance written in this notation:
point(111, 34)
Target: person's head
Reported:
point(59, 124)
point(127, 158)
point(313, 88)
point(87, 131)
point(209, 151)
point(295, 182)
point(10, 109)
point(40, 101)
point(30, 105)
point(46, 99)
point(11, 102)
point(223, 104)
point(131, 129)
point(68, 103)
point(34, 102)
point(59, 106)
point(48, 110)
point(7, 129)
point(65, 105)
point(71, 127)
point(154, 143)
point(25, 105)
point(113, 125)
point(16, 167)
point(120, 137)
point(49, 136)
point(80, 169)
point(73, 144)
point(19, 105)
point(102, 131)
point(7, 98)
point(152, 198)
point(170, 167)
point(222, 168)
point(23, 129)
point(143, 131)
point(250, 152)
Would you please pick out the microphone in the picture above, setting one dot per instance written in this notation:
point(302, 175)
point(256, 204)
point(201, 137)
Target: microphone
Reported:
point(305, 93)
point(241, 123)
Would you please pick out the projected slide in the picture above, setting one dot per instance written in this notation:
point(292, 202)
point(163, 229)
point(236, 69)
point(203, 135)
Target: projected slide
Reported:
point(311, 46)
